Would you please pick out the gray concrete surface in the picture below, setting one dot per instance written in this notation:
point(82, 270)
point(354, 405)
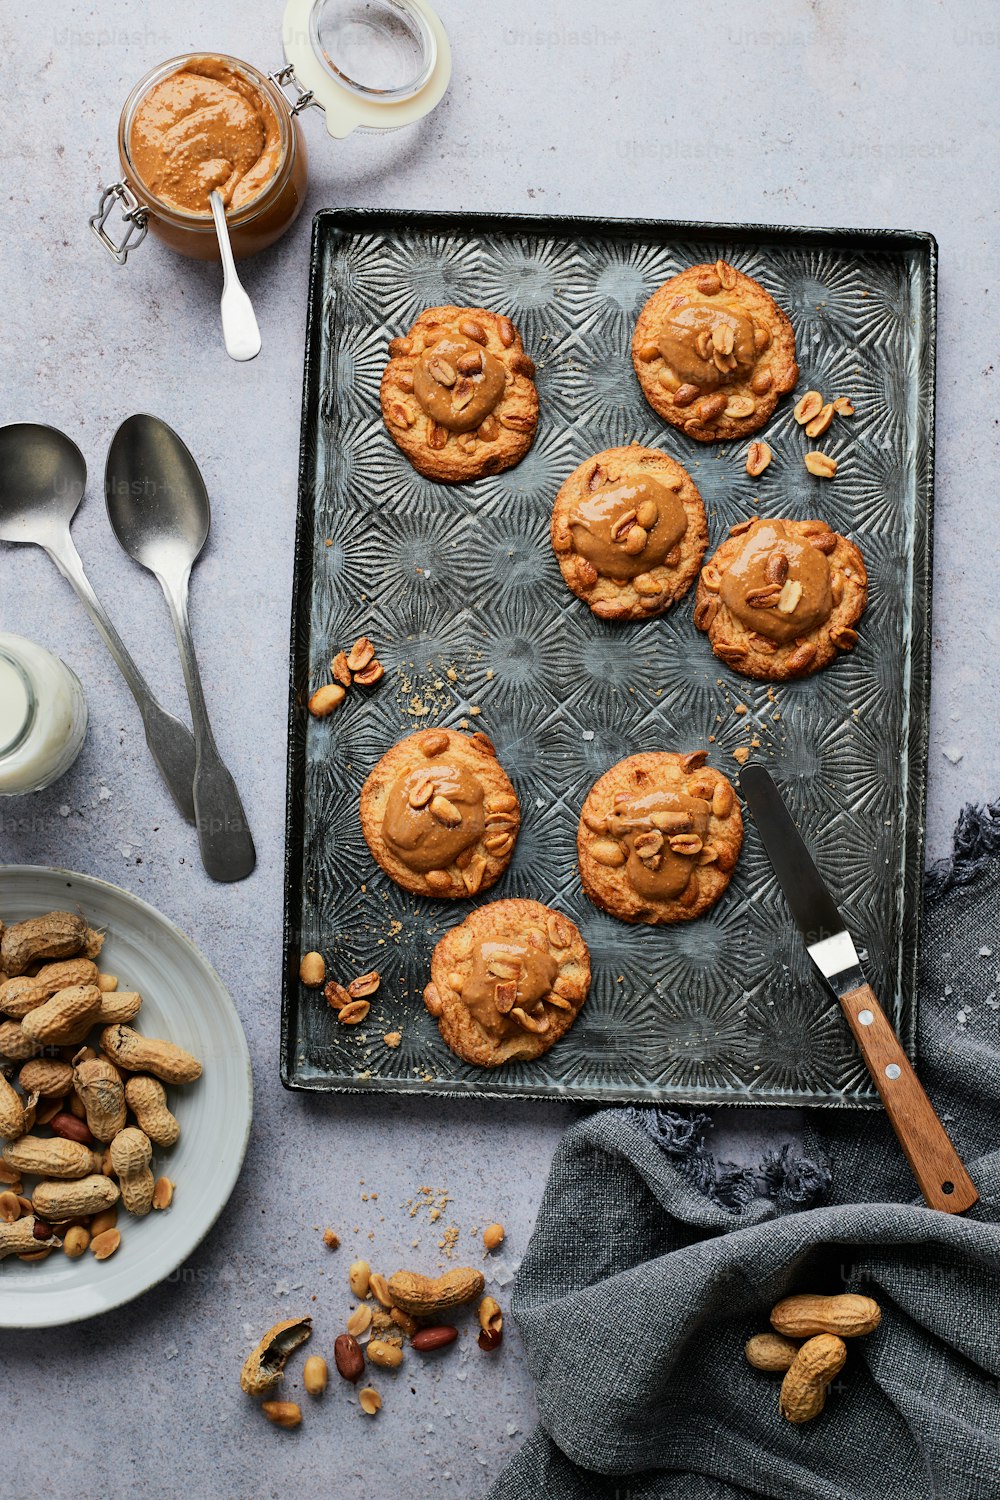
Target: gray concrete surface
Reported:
point(808, 113)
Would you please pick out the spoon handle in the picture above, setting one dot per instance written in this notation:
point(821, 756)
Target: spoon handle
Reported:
point(170, 742)
point(239, 321)
point(227, 848)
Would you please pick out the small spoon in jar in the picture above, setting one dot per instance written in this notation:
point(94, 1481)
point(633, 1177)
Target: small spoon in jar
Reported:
point(239, 322)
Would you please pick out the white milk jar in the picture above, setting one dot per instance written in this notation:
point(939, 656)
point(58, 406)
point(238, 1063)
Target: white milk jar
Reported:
point(43, 716)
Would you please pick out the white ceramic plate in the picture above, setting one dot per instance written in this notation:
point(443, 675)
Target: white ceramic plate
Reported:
point(184, 1000)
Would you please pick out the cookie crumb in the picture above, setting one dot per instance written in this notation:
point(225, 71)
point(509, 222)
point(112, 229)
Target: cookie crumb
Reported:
point(742, 754)
point(392, 1038)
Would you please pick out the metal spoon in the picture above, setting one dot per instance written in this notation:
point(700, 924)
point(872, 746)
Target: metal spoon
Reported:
point(159, 511)
point(239, 322)
point(42, 479)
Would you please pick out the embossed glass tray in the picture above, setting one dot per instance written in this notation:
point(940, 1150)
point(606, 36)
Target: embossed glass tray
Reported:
point(460, 591)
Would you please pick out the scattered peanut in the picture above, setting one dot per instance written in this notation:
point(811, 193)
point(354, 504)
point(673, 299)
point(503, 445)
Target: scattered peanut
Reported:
point(388, 1356)
point(364, 985)
point(163, 1193)
point(19, 1237)
point(807, 407)
point(849, 1315)
point(349, 1357)
point(64, 1019)
point(106, 1219)
point(804, 1388)
point(147, 1099)
point(369, 1400)
point(360, 654)
point(101, 1092)
point(325, 699)
point(265, 1365)
point(821, 464)
point(759, 455)
point(312, 970)
point(285, 1414)
point(12, 1121)
point(315, 1375)
point(821, 421)
point(10, 1208)
point(75, 1241)
point(123, 1005)
point(66, 1125)
point(104, 1245)
point(354, 1012)
point(56, 1202)
point(359, 1275)
point(141, 1054)
point(360, 1320)
point(331, 1239)
point(131, 1153)
point(107, 983)
point(404, 1321)
point(427, 1340)
point(59, 1158)
point(769, 1351)
point(58, 934)
point(379, 1288)
point(368, 676)
point(423, 1296)
point(46, 1076)
point(493, 1236)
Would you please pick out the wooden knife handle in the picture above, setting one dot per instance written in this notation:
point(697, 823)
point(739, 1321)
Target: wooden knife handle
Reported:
point(934, 1161)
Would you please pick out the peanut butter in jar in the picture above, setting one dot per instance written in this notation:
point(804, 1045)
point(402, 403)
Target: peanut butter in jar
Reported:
point(207, 122)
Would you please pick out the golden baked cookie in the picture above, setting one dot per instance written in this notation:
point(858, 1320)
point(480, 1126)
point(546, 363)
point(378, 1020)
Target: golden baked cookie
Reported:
point(629, 533)
point(458, 394)
point(780, 599)
point(713, 352)
point(508, 982)
point(659, 836)
point(439, 814)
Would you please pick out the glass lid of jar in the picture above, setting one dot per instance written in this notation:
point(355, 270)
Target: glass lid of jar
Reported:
point(370, 64)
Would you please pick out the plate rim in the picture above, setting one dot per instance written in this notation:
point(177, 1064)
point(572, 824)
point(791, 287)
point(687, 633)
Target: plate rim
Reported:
point(58, 872)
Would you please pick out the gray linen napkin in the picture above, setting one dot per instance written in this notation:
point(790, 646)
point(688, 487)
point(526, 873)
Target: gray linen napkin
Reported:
point(651, 1264)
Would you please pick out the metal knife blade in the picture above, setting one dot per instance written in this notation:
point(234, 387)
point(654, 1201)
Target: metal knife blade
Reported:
point(828, 942)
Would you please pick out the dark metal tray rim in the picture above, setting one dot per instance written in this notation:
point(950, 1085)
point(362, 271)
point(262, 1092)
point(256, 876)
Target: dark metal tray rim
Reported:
point(918, 728)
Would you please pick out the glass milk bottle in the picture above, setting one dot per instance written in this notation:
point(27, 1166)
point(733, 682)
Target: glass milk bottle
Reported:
point(43, 716)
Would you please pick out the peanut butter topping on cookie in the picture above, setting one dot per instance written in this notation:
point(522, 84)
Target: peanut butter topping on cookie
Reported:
point(627, 526)
point(433, 813)
point(458, 383)
point(707, 344)
point(508, 977)
point(778, 585)
point(663, 832)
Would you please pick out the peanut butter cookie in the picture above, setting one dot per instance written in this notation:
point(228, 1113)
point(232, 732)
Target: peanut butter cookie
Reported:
point(458, 394)
point(713, 352)
point(439, 814)
point(629, 532)
point(659, 836)
point(508, 982)
point(780, 599)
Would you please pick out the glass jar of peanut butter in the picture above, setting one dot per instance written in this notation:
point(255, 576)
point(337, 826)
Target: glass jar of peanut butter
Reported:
point(210, 121)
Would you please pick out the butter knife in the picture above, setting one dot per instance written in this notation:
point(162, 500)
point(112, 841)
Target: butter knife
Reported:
point(935, 1163)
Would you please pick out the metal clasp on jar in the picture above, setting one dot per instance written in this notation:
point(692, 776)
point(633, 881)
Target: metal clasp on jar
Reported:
point(304, 98)
point(134, 214)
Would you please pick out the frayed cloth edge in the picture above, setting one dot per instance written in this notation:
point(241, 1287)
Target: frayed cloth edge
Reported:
point(789, 1180)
